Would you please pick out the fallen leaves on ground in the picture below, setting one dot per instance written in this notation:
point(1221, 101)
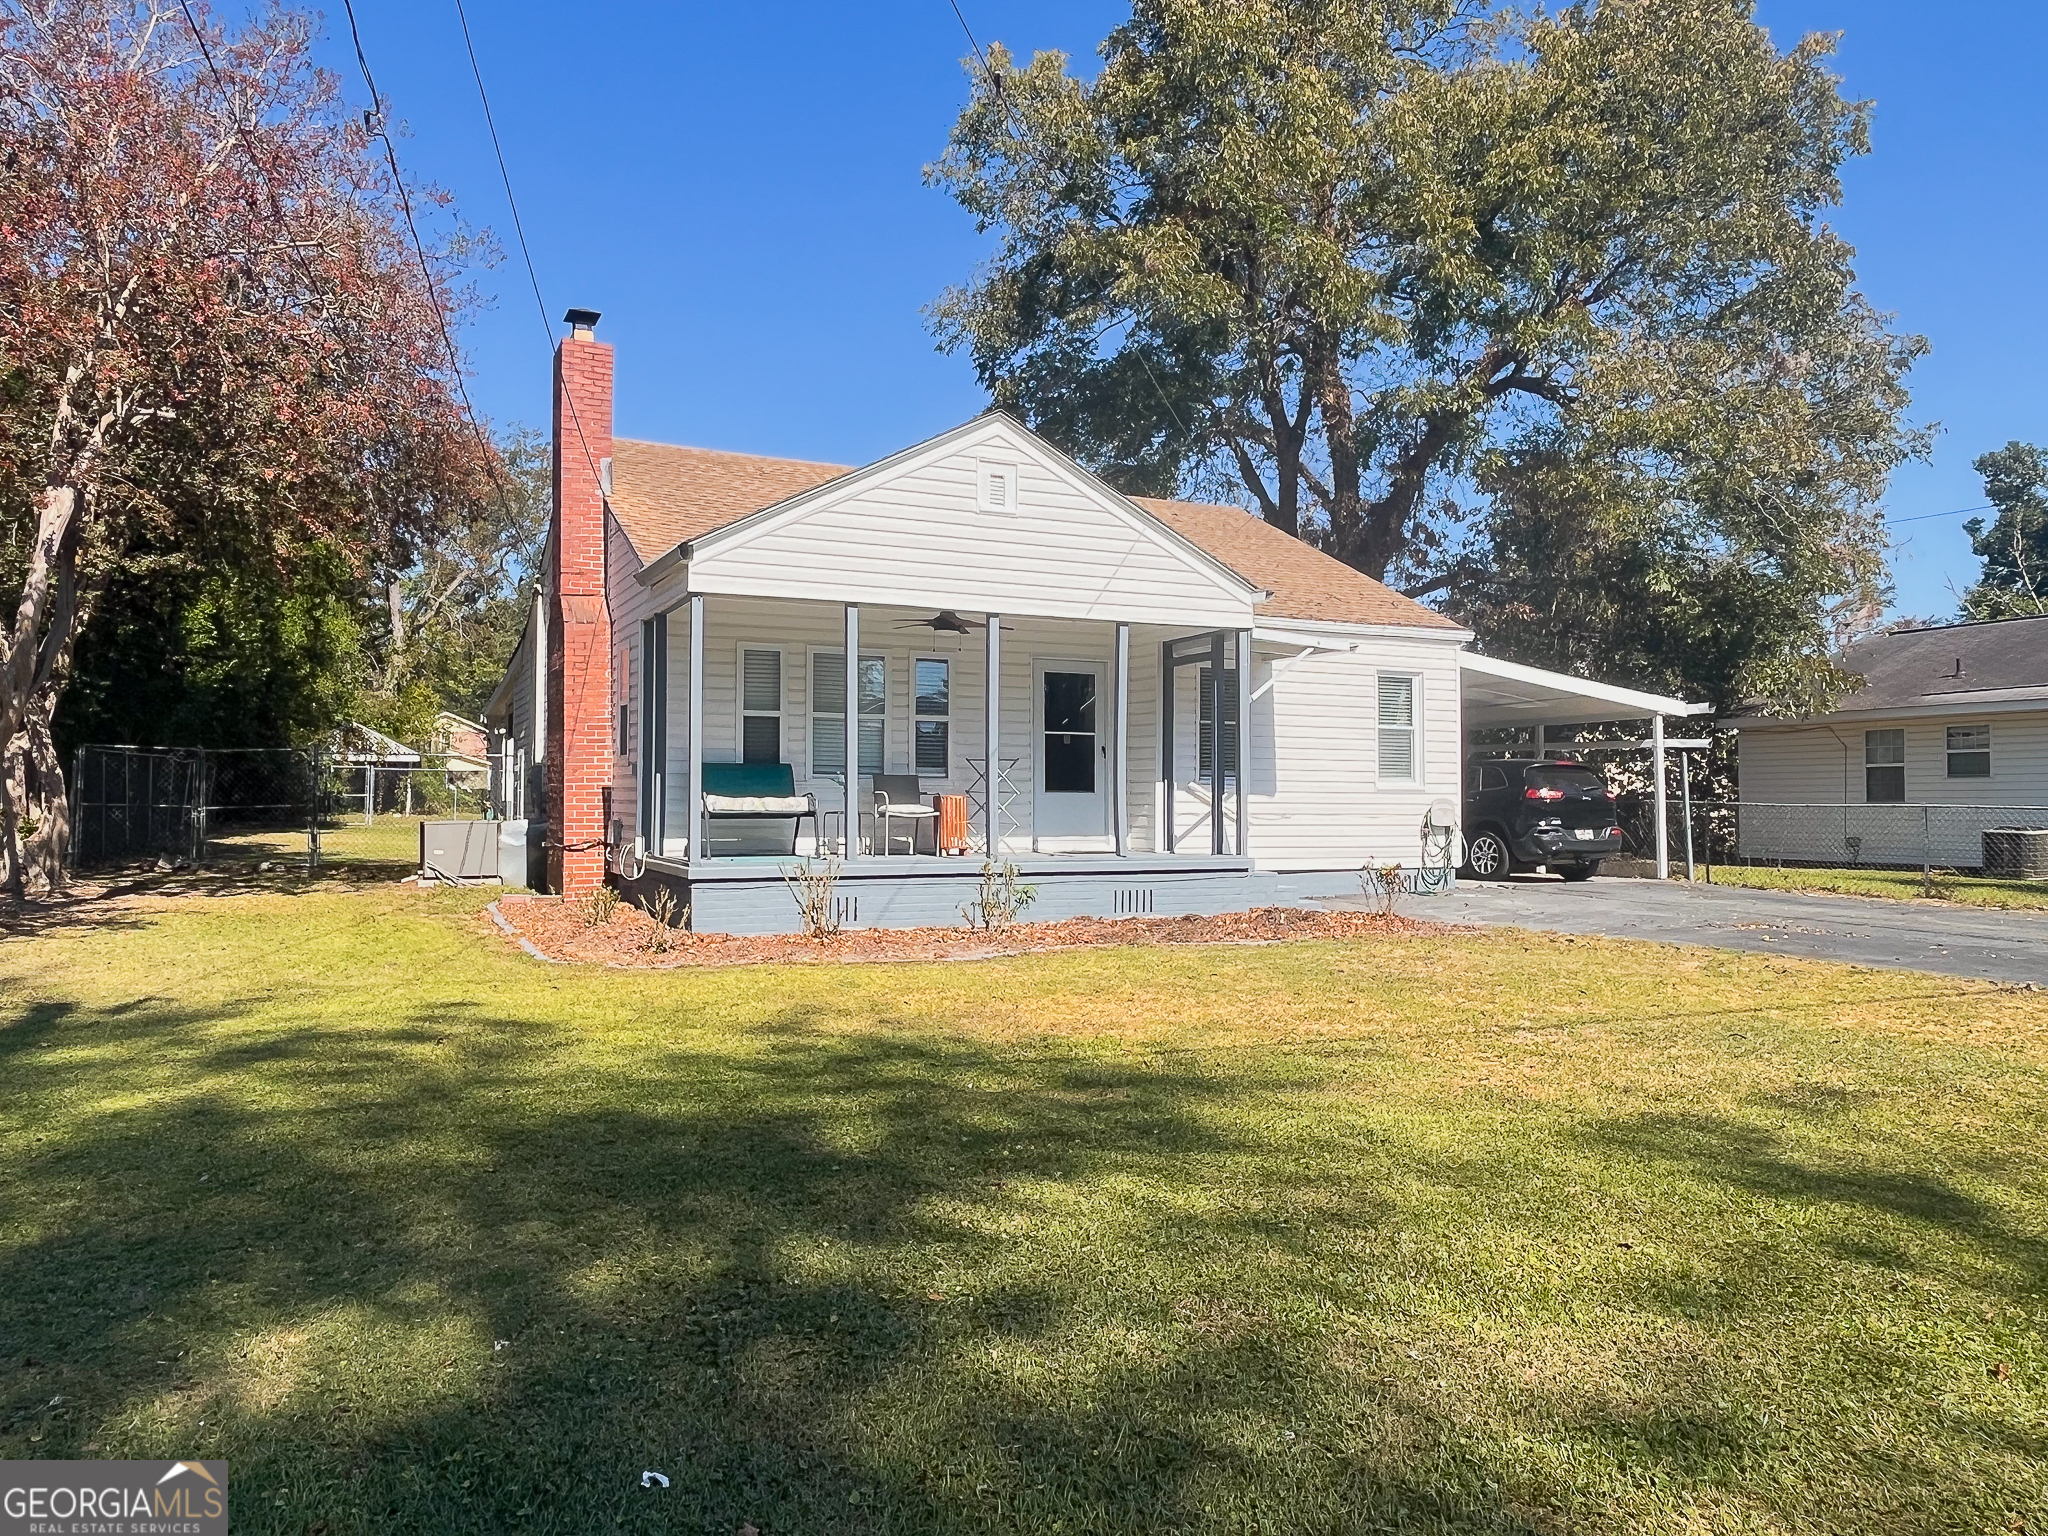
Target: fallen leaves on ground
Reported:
point(558, 930)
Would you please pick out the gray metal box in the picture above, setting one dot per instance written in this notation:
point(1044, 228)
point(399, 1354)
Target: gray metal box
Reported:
point(2016, 853)
point(461, 850)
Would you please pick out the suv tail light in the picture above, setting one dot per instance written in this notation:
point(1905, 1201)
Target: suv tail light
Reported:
point(1535, 793)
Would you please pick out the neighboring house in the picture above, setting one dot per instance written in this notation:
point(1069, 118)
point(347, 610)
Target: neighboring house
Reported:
point(1947, 735)
point(699, 610)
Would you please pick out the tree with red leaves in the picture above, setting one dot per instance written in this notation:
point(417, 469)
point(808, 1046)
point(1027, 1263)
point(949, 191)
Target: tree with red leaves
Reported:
point(217, 339)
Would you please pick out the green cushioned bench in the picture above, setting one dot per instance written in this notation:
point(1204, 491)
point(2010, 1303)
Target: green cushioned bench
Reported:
point(757, 792)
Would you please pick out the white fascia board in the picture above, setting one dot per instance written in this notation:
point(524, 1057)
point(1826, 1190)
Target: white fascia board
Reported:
point(1331, 632)
point(1015, 438)
point(2027, 702)
point(1638, 703)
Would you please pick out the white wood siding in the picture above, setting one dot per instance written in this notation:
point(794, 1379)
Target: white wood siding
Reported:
point(627, 603)
point(915, 537)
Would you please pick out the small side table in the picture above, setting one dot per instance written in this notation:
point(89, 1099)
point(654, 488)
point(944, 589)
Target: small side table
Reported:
point(952, 835)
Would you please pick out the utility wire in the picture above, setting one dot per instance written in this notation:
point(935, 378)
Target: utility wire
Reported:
point(1925, 516)
point(519, 228)
point(995, 86)
point(373, 120)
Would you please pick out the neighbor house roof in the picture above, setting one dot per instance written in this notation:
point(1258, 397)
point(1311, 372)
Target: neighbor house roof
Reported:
point(664, 496)
point(1947, 667)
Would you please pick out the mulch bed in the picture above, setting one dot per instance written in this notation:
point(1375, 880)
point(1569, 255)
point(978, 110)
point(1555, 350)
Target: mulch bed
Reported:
point(556, 930)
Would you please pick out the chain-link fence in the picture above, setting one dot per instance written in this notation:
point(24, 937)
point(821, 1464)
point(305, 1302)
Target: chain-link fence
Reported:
point(1996, 841)
point(287, 805)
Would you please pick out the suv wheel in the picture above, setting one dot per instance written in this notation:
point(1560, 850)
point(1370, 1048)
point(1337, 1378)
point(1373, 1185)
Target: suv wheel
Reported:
point(1486, 856)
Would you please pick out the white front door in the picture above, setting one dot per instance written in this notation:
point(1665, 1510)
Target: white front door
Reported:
point(1070, 787)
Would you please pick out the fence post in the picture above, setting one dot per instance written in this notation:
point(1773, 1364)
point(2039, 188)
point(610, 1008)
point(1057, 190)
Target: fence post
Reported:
point(1926, 850)
point(315, 777)
point(199, 817)
point(1685, 794)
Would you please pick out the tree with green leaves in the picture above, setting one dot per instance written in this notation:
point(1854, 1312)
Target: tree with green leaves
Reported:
point(1428, 281)
point(2014, 544)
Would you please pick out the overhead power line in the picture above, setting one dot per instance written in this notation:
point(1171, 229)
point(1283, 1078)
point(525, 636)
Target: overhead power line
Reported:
point(1927, 516)
point(519, 229)
point(373, 120)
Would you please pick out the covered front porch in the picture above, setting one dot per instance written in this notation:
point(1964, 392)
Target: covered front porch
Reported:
point(1090, 755)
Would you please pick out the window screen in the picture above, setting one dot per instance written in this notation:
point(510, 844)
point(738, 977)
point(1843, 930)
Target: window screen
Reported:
point(760, 706)
point(1884, 767)
point(1969, 751)
point(1397, 727)
point(1207, 714)
point(828, 714)
point(934, 678)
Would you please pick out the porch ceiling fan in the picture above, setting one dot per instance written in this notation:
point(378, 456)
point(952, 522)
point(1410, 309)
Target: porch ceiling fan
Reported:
point(945, 622)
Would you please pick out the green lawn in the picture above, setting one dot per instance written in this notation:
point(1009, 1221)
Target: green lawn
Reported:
point(1896, 884)
point(1489, 1233)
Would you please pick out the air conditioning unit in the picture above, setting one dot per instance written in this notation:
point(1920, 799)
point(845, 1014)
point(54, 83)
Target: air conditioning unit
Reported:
point(459, 850)
point(2016, 853)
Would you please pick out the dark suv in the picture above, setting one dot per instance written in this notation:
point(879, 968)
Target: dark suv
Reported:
point(1521, 812)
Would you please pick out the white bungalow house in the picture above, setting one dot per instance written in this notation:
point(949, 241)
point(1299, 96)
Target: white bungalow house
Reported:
point(1031, 661)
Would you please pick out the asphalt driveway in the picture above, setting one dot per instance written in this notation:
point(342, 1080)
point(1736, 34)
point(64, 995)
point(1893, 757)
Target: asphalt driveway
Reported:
point(1909, 935)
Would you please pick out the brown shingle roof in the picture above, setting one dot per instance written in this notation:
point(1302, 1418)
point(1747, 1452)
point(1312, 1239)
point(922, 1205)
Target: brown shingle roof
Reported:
point(664, 496)
point(1305, 582)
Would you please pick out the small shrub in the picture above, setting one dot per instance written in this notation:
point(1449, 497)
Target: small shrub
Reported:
point(600, 906)
point(1382, 885)
point(661, 907)
point(811, 883)
point(1001, 899)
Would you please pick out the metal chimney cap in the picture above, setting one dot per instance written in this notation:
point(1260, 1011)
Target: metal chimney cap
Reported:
point(582, 322)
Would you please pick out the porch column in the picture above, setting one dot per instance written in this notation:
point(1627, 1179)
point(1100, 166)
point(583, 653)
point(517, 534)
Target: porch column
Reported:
point(1119, 745)
point(1244, 742)
point(1166, 834)
point(1216, 774)
point(693, 847)
point(850, 843)
point(1657, 766)
point(992, 714)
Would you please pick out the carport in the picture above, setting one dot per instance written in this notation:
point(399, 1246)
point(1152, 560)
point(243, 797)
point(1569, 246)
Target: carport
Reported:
point(1499, 693)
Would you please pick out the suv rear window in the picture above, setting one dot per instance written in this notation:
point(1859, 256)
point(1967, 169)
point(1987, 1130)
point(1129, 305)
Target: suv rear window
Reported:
point(1579, 780)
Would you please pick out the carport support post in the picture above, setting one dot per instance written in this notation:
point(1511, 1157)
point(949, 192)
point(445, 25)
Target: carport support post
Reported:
point(1685, 800)
point(1243, 705)
point(1663, 828)
point(1216, 768)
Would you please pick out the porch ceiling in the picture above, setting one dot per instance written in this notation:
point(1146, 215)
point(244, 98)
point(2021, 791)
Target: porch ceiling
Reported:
point(1500, 693)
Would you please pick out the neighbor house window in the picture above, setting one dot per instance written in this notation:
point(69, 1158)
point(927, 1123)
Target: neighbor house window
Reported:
point(1206, 716)
point(934, 705)
point(828, 713)
point(1969, 751)
point(760, 706)
point(1884, 767)
point(1397, 726)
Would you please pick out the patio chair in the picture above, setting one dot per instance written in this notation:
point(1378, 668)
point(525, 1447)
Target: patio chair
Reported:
point(898, 799)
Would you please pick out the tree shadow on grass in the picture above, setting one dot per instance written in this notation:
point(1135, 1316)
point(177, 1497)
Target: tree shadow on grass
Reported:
point(440, 1276)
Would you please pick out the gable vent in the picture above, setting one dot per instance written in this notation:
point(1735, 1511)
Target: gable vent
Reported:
point(996, 490)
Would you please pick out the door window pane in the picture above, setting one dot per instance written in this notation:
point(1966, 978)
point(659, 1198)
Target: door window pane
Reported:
point(1969, 751)
point(761, 739)
point(1884, 767)
point(934, 680)
point(1070, 733)
point(1205, 717)
point(760, 706)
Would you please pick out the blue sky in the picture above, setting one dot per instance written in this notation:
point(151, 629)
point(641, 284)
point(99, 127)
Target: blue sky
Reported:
point(738, 188)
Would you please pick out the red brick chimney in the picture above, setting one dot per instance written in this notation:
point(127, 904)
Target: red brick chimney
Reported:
point(579, 765)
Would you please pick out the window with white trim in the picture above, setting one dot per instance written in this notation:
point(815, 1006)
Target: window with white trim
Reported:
point(1398, 758)
point(760, 705)
point(1884, 767)
point(1969, 751)
point(933, 723)
point(828, 713)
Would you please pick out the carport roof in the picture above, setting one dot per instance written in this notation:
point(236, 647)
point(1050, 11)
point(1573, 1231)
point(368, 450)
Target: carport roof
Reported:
point(1500, 692)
